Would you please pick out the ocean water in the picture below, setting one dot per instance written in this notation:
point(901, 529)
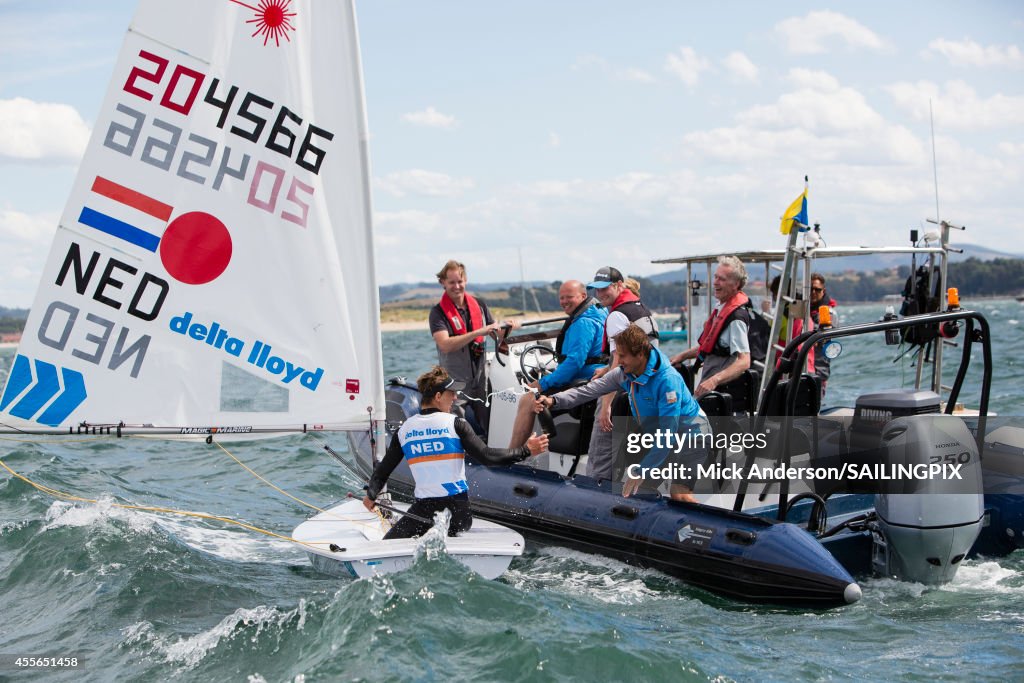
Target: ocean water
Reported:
point(146, 595)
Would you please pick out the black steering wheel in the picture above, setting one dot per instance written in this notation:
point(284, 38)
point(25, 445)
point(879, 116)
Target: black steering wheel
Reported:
point(537, 360)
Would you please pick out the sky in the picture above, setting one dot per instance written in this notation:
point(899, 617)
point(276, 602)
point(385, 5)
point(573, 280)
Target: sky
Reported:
point(547, 139)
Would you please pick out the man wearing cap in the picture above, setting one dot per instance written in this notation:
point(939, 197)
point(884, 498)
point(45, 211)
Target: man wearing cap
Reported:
point(459, 324)
point(624, 307)
point(434, 444)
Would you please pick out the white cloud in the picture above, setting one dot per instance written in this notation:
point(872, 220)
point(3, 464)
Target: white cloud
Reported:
point(813, 79)
point(25, 240)
point(37, 229)
point(392, 228)
point(686, 65)
point(1012, 149)
point(740, 66)
point(431, 118)
point(957, 105)
point(635, 75)
point(41, 132)
point(814, 33)
point(554, 140)
point(621, 73)
point(820, 121)
point(818, 104)
point(425, 183)
point(969, 53)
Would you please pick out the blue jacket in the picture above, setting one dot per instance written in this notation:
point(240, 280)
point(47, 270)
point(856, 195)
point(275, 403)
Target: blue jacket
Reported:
point(660, 400)
point(582, 340)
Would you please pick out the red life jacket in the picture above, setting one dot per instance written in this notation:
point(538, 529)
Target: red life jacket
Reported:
point(624, 297)
point(713, 326)
point(476, 316)
point(798, 328)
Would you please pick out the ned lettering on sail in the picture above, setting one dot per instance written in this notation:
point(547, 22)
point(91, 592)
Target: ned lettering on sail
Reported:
point(93, 332)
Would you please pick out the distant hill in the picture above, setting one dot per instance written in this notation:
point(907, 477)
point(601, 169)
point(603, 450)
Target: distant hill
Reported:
point(16, 313)
point(417, 290)
point(861, 264)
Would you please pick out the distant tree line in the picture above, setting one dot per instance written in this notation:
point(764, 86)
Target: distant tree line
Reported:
point(12, 319)
point(973, 277)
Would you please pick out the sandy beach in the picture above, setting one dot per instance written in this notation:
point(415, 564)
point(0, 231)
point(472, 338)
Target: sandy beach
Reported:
point(404, 326)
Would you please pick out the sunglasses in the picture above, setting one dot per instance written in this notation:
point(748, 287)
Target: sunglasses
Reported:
point(817, 289)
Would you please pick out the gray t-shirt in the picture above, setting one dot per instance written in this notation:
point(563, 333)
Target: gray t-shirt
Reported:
point(462, 364)
point(734, 339)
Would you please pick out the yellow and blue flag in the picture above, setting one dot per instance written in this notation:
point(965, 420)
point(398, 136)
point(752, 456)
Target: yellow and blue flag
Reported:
point(797, 212)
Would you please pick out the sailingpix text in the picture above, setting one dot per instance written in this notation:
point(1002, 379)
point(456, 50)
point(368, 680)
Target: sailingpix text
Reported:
point(847, 472)
point(259, 353)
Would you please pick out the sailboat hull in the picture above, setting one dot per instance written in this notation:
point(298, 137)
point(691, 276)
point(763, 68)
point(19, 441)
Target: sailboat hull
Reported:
point(347, 541)
point(741, 556)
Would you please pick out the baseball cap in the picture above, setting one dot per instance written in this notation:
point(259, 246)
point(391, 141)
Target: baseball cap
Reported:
point(452, 385)
point(605, 276)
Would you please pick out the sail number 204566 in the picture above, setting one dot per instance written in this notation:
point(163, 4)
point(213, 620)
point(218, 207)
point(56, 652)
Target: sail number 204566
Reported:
point(182, 86)
point(172, 141)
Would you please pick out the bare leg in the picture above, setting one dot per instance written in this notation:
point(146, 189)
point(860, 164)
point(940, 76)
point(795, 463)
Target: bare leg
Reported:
point(522, 428)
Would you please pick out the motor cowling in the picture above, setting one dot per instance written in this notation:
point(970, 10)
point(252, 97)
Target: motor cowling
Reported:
point(931, 510)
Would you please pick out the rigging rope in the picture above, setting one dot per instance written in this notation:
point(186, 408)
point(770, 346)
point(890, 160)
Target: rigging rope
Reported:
point(188, 513)
point(152, 508)
point(297, 500)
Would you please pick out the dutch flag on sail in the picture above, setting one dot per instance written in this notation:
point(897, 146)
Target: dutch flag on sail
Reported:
point(126, 214)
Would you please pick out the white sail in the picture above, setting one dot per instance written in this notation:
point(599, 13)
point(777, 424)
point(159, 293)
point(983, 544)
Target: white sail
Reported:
point(214, 263)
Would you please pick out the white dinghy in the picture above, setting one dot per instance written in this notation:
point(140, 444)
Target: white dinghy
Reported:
point(212, 275)
point(347, 540)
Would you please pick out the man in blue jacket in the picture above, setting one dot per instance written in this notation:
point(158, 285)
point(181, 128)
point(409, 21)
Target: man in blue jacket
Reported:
point(578, 348)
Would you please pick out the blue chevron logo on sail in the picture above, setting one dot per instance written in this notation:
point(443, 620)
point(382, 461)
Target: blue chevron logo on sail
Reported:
point(44, 390)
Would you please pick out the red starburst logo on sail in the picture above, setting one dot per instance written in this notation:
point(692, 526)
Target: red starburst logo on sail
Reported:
point(273, 20)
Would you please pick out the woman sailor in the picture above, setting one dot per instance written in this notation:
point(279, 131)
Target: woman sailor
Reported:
point(434, 443)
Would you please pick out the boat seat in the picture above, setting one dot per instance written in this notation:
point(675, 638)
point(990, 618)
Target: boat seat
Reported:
point(744, 390)
point(687, 372)
point(572, 433)
point(716, 404)
point(808, 397)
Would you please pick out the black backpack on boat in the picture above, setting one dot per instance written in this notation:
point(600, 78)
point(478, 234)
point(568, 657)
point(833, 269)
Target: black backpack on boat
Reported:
point(917, 299)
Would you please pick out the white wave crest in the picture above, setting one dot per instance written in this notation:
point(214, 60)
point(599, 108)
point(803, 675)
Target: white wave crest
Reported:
point(191, 650)
point(65, 514)
point(7, 527)
point(603, 579)
point(986, 577)
point(233, 545)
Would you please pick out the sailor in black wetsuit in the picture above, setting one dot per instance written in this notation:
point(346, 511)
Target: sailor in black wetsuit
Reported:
point(434, 444)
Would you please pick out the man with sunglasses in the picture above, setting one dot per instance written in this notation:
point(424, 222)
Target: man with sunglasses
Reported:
point(820, 297)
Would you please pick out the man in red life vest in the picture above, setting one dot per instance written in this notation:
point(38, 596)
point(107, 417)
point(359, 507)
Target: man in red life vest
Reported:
point(459, 324)
point(723, 345)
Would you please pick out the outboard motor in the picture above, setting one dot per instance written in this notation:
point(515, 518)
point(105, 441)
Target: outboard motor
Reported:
point(932, 511)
